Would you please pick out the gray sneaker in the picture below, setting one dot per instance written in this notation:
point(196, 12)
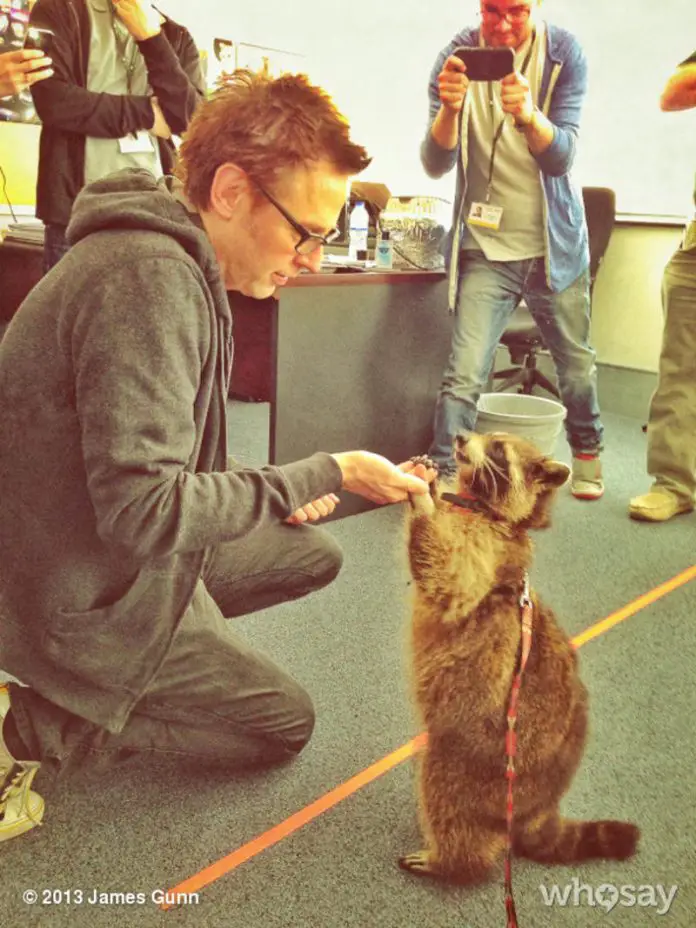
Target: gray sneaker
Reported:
point(20, 807)
point(586, 481)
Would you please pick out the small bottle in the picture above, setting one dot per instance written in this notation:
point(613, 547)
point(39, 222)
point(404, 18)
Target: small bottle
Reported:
point(384, 251)
point(357, 230)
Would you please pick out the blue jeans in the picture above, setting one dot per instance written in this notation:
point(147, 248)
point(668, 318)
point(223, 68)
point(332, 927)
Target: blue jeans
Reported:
point(54, 246)
point(489, 293)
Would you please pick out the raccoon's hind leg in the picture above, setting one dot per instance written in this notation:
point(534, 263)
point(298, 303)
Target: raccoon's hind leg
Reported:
point(458, 849)
point(551, 839)
point(465, 859)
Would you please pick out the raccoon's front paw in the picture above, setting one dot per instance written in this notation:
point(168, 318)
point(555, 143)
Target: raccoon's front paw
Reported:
point(422, 504)
point(419, 863)
point(424, 460)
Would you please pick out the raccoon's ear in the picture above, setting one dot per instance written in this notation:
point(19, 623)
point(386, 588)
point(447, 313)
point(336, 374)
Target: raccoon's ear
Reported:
point(553, 473)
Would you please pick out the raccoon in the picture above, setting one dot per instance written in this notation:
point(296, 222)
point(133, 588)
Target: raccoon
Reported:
point(469, 550)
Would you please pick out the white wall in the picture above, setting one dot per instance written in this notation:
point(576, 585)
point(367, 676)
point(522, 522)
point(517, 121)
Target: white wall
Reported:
point(375, 56)
point(627, 313)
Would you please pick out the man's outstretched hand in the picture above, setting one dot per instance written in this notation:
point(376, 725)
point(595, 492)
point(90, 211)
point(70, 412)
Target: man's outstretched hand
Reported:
point(377, 479)
point(373, 477)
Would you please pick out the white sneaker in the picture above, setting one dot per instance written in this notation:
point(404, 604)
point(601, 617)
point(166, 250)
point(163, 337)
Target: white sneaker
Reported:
point(20, 807)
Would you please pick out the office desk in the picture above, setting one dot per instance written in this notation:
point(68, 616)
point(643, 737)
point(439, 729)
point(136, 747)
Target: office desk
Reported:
point(21, 267)
point(355, 363)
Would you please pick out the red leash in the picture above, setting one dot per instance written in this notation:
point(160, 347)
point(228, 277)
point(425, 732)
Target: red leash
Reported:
point(511, 746)
point(470, 503)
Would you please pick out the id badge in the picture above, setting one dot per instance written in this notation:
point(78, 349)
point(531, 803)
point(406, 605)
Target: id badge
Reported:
point(140, 144)
point(486, 216)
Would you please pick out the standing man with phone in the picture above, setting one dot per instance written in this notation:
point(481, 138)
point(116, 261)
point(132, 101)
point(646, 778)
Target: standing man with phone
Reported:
point(519, 228)
point(126, 79)
point(672, 420)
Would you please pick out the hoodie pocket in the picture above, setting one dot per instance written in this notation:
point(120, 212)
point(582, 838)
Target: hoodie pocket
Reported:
point(100, 645)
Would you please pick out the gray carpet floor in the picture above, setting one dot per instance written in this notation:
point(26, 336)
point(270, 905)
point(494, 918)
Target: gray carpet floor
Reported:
point(139, 827)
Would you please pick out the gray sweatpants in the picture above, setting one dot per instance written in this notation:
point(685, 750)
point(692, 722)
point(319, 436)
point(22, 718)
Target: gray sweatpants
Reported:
point(215, 698)
point(672, 420)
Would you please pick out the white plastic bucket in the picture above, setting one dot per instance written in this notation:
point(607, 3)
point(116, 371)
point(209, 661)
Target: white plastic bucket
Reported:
point(533, 417)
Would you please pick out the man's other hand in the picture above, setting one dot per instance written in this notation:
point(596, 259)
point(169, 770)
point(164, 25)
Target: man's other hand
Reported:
point(160, 127)
point(312, 512)
point(516, 98)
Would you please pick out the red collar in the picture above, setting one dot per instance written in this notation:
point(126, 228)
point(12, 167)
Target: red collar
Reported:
point(468, 503)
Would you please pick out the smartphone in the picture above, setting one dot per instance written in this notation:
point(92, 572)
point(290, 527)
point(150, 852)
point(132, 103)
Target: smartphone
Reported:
point(39, 37)
point(486, 64)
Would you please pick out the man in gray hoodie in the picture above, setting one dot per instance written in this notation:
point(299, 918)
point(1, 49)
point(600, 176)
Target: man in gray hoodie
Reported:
point(125, 542)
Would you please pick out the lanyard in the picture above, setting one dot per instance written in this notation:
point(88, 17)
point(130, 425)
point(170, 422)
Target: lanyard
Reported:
point(122, 43)
point(499, 131)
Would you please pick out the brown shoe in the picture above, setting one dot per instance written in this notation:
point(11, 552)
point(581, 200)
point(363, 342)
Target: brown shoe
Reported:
point(658, 505)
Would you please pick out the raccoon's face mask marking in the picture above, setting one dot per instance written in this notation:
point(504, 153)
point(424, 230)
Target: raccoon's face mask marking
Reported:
point(509, 474)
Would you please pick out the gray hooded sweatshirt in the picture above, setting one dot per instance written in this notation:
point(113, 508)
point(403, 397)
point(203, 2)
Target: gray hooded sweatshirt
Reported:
point(113, 484)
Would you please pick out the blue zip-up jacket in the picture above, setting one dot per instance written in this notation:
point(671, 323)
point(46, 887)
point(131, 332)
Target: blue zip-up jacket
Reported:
point(562, 92)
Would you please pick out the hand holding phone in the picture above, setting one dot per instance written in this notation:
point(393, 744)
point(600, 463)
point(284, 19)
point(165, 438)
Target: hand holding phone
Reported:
point(21, 68)
point(453, 83)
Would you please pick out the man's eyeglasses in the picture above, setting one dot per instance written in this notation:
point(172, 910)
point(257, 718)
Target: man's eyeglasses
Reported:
point(309, 241)
point(514, 14)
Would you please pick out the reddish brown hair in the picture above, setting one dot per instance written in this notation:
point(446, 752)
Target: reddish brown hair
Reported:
point(264, 125)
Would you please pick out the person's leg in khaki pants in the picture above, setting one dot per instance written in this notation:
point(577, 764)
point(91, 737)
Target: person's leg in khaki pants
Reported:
point(671, 454)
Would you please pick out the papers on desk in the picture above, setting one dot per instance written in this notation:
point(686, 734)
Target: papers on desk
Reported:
point(330, 261)
point(30, 232)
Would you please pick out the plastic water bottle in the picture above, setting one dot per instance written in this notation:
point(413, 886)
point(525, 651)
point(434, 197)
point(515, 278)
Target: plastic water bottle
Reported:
point(384, 251)
point(357, 230)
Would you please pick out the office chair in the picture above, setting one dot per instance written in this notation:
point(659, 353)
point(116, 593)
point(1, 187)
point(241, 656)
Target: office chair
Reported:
point(522, 338)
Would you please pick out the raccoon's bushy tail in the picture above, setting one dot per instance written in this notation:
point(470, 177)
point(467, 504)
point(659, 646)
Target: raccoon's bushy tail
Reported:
point(556, 840)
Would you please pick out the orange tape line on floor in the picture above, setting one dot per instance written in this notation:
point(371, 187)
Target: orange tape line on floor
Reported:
point(594, 631)
point(244, 853)
point(298, 820)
